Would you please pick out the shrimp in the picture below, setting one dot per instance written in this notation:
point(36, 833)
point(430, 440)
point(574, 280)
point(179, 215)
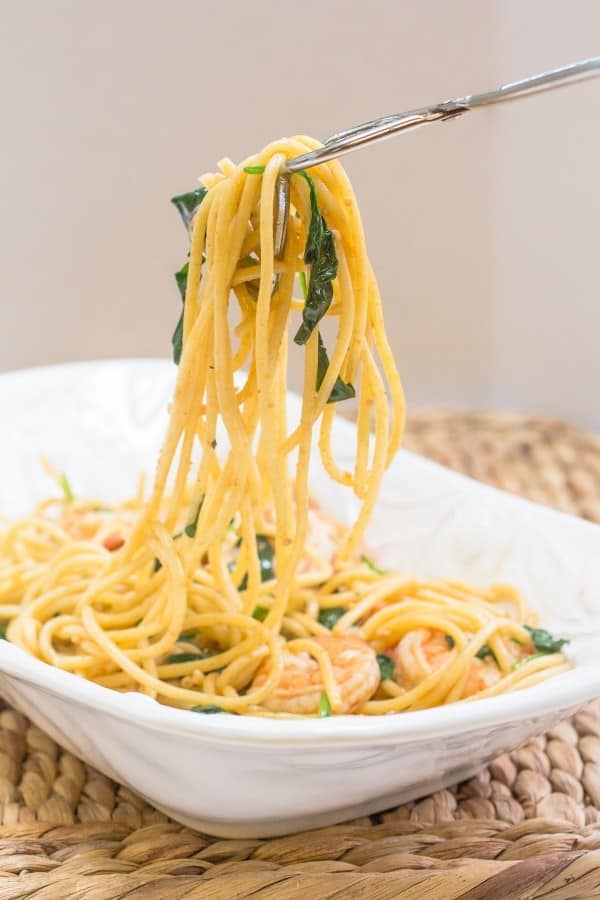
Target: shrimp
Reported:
point(300, 687)
point(325, 535)
point(418, 654)
point(81, 525)
point(422, 652)
point(482, 675)
point(98, 525)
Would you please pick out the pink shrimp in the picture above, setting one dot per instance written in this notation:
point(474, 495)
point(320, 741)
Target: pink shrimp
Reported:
point(422, 652)
point(95, 525)
point(482, 674)
point(418, 654)
point(300, 687)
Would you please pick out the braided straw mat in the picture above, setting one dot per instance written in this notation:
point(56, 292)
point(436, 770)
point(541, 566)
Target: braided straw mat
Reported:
point(527, 826)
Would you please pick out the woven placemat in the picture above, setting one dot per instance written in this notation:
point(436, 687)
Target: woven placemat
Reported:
point(527, 826)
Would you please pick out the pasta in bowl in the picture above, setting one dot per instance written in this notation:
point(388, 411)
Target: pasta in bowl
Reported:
point(299, 772)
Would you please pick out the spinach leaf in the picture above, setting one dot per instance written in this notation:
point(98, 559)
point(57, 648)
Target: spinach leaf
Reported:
point(67, 489)
point(303, 284)
point(521, 662)
point(266, 558)
point(189, 635)
point(451, 642)
point(184, 657)
point(177, 340)
point(320, 255)
point(485, 651)
point(386, 666)
point(209, 710)
point(181, 278)
point(543, 641)
point(190, 528)
point(340, 390)
point(369, 562)
point(187, 204)
point(328, 617)
point(324, 706)
point(260, 613)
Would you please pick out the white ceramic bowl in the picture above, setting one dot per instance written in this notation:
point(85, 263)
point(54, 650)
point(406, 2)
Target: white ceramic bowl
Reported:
point(235, 776)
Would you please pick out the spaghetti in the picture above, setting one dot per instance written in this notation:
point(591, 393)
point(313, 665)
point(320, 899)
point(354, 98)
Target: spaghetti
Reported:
point(228, 590)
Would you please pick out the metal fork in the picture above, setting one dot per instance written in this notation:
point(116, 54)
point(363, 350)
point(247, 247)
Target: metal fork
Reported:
point(380, 129)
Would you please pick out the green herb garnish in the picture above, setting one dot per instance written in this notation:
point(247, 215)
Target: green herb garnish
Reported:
point(181, 279)
point(209, 710)
point(328, 617)
point(260, 613)
point(320, 255)
point(187, 204)
point(369, 562)
point(303, 284)
point(189, 635)
point(254, 170)
point(177, 337)
point(184, 657)
point(177, 341)
point(247, 261)
point(521, 662)
point(386, 666)
point(340, 390)
point(485, 651)
point(66, 488)
point(544, 642)
point(324, 706)
point(3, 626)
point(190, 528)
point(449, 640)
point(266, 558)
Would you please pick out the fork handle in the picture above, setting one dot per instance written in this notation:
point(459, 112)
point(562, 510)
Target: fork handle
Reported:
point(380, 129)
point(579, 71)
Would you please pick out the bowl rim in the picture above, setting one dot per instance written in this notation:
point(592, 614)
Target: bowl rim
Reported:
point(564, 691)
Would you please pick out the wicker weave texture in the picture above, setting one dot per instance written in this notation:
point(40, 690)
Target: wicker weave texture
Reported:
point(527, 826)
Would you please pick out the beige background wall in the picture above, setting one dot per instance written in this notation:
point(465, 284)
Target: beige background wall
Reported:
point(484, 232)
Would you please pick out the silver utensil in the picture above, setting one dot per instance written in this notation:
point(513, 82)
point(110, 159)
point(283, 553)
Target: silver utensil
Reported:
point(387, 126)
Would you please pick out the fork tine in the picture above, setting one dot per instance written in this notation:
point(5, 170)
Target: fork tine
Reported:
point(281, 211)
